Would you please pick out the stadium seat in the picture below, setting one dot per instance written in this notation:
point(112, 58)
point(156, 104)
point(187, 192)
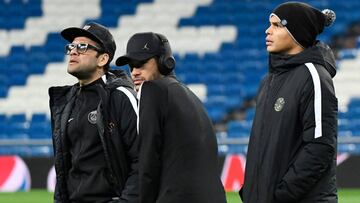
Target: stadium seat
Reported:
point(17, 149)
point(348, 54)
point(39, 117)
point(239, 128)
point(40, 130)
point(40, 151)
point(250, 113)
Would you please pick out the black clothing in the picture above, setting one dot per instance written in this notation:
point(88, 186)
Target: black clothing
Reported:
point(87, 155)
point(95, 140)
point(292, 149)
point(178, 155)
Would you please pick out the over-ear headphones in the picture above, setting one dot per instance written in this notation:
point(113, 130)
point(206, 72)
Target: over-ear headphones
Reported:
point(166, 59)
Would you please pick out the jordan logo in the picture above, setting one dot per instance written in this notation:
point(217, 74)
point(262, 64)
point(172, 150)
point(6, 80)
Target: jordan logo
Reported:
point(146, 47)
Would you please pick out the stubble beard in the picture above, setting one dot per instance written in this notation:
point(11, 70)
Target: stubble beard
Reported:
point(82, 73)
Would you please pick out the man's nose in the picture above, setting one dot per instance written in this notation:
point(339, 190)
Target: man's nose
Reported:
point(135, 71)
point(74, 52)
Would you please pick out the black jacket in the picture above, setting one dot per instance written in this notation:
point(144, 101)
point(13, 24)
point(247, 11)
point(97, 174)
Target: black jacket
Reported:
point(178, 155)
point(116, 126)
point(292, 149)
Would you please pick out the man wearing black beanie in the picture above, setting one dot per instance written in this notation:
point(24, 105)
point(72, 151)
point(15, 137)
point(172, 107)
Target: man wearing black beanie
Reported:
point(292, 150)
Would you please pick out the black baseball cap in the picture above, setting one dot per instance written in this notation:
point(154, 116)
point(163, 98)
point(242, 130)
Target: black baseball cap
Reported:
point(94, 31)
point(141, 46)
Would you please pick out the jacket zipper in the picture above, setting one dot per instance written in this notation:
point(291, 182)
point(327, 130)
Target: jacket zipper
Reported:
point(268, 90)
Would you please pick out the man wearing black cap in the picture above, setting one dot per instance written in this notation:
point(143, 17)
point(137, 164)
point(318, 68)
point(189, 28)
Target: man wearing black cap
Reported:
point(94, 123)
point(292, 150)
point(178, 153)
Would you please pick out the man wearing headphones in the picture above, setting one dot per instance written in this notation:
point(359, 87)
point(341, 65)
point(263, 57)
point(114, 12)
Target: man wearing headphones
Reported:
point(178, 153)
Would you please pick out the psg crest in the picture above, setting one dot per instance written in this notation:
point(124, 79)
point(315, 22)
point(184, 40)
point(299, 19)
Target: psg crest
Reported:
point(279, 104)
point(92, 117)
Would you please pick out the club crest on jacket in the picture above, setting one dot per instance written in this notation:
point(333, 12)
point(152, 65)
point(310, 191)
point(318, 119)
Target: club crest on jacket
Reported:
point(92, 117)
point(279, 104)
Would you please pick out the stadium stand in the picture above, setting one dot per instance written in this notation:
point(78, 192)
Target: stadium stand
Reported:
point(218, 44)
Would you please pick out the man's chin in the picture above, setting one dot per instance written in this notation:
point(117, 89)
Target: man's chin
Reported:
point(269, 49)
point(78, 75)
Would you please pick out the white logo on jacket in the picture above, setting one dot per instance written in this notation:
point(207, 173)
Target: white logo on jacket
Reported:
point(92, 117)
point(279, 104)
point(146, 47)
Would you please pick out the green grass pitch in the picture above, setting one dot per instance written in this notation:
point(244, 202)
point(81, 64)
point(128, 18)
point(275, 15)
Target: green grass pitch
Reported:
point(41, 196)
point(345, 196)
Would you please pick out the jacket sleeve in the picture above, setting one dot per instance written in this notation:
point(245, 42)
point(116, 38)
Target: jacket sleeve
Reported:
point(151, 109)
point(130, 138)
point(318, 151)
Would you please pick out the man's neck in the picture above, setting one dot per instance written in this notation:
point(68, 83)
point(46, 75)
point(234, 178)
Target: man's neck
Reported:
point(87, 81)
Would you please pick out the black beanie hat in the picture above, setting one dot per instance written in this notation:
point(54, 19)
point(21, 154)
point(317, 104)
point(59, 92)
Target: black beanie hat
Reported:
point(303, 22)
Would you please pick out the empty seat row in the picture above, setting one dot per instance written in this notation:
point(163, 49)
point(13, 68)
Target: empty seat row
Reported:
point(27, 151)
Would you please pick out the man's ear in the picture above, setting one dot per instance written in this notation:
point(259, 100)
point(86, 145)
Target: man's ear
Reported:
point(103, 59)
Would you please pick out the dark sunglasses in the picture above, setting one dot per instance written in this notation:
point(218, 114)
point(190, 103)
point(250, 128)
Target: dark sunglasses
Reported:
point(80, 48)
point(137, 64)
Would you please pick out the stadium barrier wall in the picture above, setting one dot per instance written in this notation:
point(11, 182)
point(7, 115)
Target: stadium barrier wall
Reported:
point(24, 173)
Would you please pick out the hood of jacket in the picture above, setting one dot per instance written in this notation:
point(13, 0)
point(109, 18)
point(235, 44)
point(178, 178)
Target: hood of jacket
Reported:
point(320, 54)
point(116, 78)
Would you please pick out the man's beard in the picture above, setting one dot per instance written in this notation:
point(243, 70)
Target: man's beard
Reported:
point(82, 74)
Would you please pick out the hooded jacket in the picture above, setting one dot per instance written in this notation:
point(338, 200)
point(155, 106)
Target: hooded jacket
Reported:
point(178, 155)
point(292, 148)
point(116, 118)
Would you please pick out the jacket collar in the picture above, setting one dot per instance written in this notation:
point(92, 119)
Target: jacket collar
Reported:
point(318, 54)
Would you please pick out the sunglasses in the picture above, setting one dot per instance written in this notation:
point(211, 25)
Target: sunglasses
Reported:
point(80, 48)
point(137, 64)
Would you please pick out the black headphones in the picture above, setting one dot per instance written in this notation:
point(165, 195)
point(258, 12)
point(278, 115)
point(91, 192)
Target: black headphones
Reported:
point(166, 59)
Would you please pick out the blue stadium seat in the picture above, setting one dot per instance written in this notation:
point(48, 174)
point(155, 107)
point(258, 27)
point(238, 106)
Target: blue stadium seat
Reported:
point(216, 89)
point(3, 91)
point(40, 151)
point(4, 80)
point(111, 11)
point(216, 114)
point(250, 114)
point(40, 130)
point(33, 8)
point(349, 148)
point(345, 133)
point(347, 54)
point(354, 103)
point(233, 102)
point(356, 132)
point(17, 118)
point(3, 129)
point(213, 78)
point(17, 130)
point(3, 118)
point(19, 67)
point(353, 113)
point(14, 150)
point(39, 117)
point(223, 149)
point(237, 149)
point(19, 11)
point(18, 79)
point(343, 124)
point(239, 128)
